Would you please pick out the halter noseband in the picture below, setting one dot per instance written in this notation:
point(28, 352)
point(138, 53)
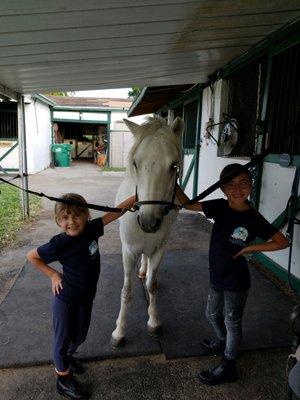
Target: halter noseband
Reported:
point(169, 205)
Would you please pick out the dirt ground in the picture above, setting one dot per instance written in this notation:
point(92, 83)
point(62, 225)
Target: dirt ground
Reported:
point(262, 373)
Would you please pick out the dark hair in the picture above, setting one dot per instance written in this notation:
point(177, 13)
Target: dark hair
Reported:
point(231, 171)
point(70, 208)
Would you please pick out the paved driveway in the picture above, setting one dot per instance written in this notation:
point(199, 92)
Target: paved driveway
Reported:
point(151, 377)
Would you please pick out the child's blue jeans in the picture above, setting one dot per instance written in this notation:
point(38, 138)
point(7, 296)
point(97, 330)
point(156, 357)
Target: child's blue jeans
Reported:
point(70, 326)
point(225, 311)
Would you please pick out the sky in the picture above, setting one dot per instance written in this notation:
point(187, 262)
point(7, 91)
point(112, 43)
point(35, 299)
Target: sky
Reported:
point(107, 93)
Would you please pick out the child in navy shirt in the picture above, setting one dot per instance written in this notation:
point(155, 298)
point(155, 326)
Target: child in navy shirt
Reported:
point(236, 226)
point(76, 248)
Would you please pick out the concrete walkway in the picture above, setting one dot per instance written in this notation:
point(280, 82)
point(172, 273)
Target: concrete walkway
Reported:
point(152, 377)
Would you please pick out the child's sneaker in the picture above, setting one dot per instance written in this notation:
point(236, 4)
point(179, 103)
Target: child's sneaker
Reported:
point(213, 346)
point(68, 386)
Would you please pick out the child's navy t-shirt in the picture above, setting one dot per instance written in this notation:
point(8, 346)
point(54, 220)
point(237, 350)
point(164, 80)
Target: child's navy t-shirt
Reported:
point(80, 259)
point(232, 231)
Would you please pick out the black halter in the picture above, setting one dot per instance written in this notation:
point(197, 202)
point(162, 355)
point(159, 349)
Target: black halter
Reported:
point(169, 205)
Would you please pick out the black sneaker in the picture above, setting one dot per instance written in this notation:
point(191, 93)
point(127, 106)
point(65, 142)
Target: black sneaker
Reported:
point(75, 365)
point(225, 372)
point(68, 386)
point(213, 346)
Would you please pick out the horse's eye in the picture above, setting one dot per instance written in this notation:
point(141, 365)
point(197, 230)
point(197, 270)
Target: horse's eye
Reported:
point(174, 166)
point(134, 164)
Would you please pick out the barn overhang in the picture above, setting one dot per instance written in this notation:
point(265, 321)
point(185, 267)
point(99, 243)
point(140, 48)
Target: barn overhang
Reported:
point(154, 99)
point(82, 45)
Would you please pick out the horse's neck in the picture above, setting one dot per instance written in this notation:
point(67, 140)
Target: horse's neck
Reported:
point(127, 188)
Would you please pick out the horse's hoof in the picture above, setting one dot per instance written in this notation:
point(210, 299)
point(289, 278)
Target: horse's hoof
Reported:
point(142, 275)
point(154, 330)
point(115, 343)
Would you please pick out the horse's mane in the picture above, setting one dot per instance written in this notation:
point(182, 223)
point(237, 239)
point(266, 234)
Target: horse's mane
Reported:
point(149, 127)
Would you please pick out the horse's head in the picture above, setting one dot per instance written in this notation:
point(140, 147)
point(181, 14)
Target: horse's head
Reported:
point(154, 162)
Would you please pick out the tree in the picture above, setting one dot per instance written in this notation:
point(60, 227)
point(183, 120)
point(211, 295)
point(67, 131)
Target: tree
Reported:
point(134, 92)
point(60, 93)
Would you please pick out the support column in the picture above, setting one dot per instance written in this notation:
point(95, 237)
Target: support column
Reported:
point(24, 198)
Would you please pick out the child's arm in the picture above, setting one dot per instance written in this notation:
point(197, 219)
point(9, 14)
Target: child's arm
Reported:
point(278, 242)
point(111, 216)
point(55, 276)
point(182, 197)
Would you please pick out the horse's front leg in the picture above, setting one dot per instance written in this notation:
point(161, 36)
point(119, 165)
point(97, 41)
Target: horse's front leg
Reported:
point(143, 268)
point(151, 284)
point(118, 335)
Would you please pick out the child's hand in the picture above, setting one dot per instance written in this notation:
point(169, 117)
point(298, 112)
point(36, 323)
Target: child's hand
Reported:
point(244, 251)
point(56, 280)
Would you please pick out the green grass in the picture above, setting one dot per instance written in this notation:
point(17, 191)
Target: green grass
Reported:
point(10, 213)
point(113, 169)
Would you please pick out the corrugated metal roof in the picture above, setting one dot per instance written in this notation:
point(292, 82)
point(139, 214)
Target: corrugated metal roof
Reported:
point(154, 98)
point(95, 44)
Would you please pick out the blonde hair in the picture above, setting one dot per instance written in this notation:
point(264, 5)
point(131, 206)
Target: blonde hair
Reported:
point(70, 208)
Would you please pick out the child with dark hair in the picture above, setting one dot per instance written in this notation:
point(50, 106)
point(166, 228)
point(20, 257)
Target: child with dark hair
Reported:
point(76, 248)
point(236, 226)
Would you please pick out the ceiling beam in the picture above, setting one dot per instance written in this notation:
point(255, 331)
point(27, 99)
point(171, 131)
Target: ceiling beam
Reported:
point(6, 92)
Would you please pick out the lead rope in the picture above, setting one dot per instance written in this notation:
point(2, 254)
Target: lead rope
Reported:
point(70, 202)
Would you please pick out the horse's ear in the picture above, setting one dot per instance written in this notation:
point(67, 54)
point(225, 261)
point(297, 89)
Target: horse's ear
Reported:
point(178, 126)
point(132, 126)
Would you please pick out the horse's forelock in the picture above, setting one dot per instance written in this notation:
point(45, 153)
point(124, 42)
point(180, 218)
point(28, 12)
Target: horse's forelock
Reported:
point(148, 128)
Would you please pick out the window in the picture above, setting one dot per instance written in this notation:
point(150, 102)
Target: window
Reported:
point(283, 116)
point(190, 118)
point(244, 93)
point(8, 124)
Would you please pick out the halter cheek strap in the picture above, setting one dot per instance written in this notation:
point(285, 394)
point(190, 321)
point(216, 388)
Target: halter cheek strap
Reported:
point(169, 205)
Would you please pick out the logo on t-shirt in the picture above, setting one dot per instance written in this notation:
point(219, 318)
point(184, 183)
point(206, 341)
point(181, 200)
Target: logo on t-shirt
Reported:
point(239, 236)
point(93, 247)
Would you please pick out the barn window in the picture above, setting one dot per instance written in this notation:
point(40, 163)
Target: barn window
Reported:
point(8, 124)
point(243, 96)
point(283, 116)
point(190, 118)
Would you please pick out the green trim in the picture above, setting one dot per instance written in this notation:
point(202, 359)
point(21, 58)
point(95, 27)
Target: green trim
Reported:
point(80, 121)
point(277, 270)
point(137, 101)
point(11, 139)
point(274, 158)
point(289, 33)
point(97, 110)
point(43, 99)
point(197, 145)
point(191, 95)
point(11, 169)
point(8, 151)
point(279, 220)
point(188, 173)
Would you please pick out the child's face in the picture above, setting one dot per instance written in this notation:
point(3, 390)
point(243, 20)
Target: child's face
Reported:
point(71, 222)
point(238, 189)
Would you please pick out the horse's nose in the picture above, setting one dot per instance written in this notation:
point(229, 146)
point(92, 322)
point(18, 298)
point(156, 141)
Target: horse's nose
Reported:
point(149, 224)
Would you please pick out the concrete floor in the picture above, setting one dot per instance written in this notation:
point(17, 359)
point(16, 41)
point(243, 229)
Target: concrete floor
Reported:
point(262, 373)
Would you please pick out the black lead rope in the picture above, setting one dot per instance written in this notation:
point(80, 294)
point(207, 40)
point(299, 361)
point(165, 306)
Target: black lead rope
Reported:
point(255, 160)
point(70, 202)
point(169, 205)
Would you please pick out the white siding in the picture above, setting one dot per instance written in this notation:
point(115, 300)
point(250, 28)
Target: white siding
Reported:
point(38, 134)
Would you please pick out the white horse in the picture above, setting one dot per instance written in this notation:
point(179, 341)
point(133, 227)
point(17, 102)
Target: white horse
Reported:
point(154, 162)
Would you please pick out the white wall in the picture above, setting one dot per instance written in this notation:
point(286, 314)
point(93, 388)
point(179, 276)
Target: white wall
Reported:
point(38, 134)
point(11, 161)
point(275, 192)
point(121, 139)
point(38, 138)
